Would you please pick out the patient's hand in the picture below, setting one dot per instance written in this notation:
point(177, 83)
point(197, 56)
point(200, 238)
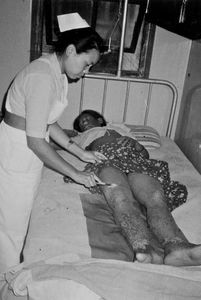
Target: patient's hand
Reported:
point(93, 156)
point(128, 141)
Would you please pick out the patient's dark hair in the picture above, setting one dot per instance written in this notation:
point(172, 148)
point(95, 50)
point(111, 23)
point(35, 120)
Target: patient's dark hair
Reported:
point(93, 113)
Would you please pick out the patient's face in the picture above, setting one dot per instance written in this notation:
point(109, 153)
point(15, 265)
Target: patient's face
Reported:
point(87, 122)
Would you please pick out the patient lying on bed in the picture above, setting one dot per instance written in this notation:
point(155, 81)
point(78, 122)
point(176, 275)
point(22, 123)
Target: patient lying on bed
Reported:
point(143, 196)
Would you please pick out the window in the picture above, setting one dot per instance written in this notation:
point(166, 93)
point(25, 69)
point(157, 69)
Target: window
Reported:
point(106, 17)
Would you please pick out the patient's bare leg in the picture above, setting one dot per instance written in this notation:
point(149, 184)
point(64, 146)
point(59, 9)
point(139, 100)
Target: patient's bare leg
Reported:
point(129, 216)
point(178, 250)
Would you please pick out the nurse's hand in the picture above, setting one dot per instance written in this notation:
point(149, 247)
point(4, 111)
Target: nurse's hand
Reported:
point(85, 178)
point(93, 156)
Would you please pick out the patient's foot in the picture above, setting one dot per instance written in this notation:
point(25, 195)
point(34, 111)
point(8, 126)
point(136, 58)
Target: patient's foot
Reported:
point(150, 256)
point(188, 255)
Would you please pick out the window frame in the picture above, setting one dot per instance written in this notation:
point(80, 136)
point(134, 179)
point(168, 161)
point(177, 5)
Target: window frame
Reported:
point(38, 43)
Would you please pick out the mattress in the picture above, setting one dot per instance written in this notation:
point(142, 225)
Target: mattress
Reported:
point(58, 224)
point(58, 245)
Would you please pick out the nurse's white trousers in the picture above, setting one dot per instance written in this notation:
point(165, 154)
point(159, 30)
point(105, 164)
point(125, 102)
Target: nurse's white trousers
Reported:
point(20, 174)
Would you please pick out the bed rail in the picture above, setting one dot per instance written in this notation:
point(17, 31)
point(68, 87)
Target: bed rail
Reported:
point(150, 82)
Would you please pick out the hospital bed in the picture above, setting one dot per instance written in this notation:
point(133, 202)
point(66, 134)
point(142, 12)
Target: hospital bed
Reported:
point(74, 250)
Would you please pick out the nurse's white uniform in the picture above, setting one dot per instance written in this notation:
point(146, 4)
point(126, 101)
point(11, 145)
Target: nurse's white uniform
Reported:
point(20, 168)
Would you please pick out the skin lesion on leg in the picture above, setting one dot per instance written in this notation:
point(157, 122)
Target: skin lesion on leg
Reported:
point(128, 214)
point(155, 238)
point(178, 251)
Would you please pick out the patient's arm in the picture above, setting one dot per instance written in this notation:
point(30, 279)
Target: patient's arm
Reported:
point(110, 136)
point(113, 136)
point(128, 141)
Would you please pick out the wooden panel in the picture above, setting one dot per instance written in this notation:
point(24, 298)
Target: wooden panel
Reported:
point(137, 99)
point(74, 95)
point(190, 142)
point(161, 101)
point(93, 94)
point(115, 100)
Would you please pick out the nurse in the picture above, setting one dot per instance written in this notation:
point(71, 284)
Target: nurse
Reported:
point(35, 101)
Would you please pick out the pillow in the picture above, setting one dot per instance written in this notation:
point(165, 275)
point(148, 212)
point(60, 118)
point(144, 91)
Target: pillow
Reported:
point(146, 136)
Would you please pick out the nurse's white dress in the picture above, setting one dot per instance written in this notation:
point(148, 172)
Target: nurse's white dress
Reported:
point(20, 174)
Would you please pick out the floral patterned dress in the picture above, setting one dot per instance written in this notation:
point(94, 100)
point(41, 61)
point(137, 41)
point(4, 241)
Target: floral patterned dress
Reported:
point(131, 158)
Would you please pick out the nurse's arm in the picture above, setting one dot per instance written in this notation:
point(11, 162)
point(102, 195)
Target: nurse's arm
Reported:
point(53, 160)
point(43, 150)
point(58, 135)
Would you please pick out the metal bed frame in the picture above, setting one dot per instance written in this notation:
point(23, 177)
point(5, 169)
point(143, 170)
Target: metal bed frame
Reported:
point(129, 80)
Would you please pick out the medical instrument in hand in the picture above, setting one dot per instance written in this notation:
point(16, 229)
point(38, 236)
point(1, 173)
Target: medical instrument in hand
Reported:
point(99, 182)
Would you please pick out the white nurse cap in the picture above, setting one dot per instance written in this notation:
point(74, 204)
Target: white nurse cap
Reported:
point(71, 21)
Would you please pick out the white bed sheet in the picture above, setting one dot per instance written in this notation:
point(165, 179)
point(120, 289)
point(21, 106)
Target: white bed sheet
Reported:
point(187, 215)
point(58, 232)
point(58, 225)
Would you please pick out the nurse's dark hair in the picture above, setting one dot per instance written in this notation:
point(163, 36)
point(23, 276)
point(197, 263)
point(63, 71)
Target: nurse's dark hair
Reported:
point(93, 113)
point(83, 39)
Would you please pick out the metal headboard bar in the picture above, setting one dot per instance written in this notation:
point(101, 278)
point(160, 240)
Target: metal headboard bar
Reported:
point(148, 102)
point(126, 101)
point(82, 94)
point(151, 82)
point(104, 96)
